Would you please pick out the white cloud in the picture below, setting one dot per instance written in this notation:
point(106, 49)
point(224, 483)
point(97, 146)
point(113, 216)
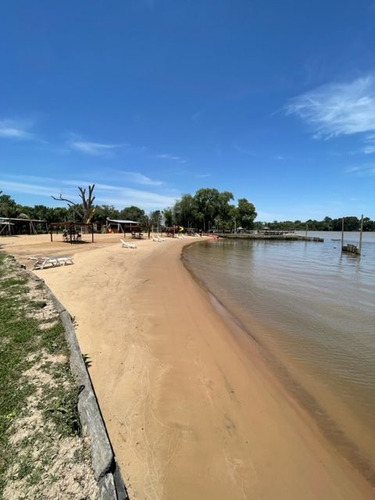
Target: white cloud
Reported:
point(169, 157)
point(117, 195)
point(368, 150)
point(370, 141)
point(132, 177)
point(144, 199)
point(138, 178)
point(367, 170)
point(92, 148)
point(338, 108)
point(10, 129)
point(26, 188)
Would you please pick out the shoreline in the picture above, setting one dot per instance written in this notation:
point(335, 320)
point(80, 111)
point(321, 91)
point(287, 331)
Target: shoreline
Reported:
point(327, 425)
point(191, 408)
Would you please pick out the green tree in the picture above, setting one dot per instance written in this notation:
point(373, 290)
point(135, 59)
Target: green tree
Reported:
point(245, 214)
point(327, 224)
point(169, 217)
point(185, 211)
point(154, 220)
point(134, 213)
point(225, 212)
point(103, 212)
point(207, 205)
point(368, 224)
point(8, 207)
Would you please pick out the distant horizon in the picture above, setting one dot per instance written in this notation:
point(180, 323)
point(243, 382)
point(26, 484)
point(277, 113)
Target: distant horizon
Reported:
point(155, 99)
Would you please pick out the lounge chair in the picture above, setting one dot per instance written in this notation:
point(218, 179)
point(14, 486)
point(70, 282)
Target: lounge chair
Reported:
point(157, 239)
point(125, 244)
point(41, 262)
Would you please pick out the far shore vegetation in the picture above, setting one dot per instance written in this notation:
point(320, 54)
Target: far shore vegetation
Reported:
point(207, 210)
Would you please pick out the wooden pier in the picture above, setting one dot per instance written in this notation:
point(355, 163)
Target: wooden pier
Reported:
point(282, 236)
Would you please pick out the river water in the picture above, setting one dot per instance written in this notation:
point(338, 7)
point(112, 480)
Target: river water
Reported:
point(311, 310)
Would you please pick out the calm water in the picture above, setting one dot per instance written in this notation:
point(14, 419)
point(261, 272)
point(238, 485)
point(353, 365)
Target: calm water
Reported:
point(312, 311)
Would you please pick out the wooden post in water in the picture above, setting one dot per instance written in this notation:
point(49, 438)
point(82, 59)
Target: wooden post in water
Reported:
point(360, 235)
point(342, 233)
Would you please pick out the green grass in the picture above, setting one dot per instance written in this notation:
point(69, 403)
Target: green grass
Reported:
point(23, 339)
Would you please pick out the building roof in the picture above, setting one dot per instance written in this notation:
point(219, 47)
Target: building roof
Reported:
point(20, 219)
point(122, 221)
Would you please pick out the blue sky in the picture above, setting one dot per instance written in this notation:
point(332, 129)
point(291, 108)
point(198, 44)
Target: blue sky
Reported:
point(152, 99)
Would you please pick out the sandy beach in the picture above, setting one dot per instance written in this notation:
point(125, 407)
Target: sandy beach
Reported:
point(191, 408)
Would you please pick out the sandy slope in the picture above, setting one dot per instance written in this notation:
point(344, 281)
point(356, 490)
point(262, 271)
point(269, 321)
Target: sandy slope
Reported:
point(191, 409)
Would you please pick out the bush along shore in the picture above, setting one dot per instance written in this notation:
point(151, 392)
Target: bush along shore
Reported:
point(42, 452)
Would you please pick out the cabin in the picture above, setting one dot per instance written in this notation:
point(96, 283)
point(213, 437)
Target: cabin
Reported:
point(122, 226)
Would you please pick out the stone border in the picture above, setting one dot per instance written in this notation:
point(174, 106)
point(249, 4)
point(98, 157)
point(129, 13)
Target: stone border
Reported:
point(106, 470)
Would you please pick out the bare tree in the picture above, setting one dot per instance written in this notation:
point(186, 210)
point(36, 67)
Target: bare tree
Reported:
point(84, 210)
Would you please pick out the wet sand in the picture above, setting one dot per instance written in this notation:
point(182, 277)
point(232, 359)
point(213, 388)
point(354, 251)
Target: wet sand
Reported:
point(191, 408)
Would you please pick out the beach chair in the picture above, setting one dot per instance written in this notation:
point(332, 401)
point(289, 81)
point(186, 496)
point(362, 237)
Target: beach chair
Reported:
point(125, 244)
point(157, 239)
point(41, 262)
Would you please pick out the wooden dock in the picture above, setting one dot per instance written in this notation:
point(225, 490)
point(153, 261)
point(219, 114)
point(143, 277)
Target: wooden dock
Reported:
point(281, 236)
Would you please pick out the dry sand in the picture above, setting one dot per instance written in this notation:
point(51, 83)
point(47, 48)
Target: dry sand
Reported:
point(191, 408)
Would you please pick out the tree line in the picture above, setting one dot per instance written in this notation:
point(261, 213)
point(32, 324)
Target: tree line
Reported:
point(351, 223)
point(207, 210)
point(74, 212)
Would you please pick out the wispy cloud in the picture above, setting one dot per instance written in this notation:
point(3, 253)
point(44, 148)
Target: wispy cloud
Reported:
point(147, 200)
point(92, 148)
point(118, 195)
point(11, 129)
point(26, 188)
point(370, 144)
point(166, 156)
point(366, 170)
point(138, 178)
point(337, 108)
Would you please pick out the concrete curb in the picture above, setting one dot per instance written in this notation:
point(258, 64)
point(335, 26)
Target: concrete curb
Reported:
point(106, 470)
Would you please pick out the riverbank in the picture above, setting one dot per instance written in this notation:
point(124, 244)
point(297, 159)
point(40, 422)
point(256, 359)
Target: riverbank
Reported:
point(191, 409)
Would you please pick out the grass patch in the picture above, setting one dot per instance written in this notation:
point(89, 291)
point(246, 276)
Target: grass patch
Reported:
point(38, 395)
